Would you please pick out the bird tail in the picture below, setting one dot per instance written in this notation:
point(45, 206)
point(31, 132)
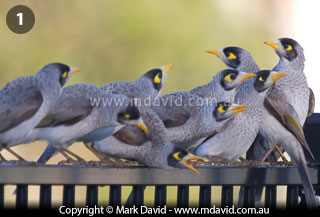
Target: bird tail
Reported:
point(47, 154)
point(306, 182)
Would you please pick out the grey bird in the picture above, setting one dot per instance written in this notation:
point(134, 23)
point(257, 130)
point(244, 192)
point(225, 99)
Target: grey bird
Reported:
point(143, 90)
point(147, 86)
point(287, 108)
point(236, 138)
point(85, 113)
point(157, 151)
point(224, 86)
point(25, 101)
point(295, 85)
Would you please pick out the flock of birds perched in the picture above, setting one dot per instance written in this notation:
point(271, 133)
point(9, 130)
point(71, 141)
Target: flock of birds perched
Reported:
point(242, 108)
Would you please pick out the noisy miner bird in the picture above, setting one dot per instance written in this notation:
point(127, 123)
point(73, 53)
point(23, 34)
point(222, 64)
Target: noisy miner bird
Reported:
point(287, 107)
point(84, 112)
point(295, 85)
point(25, 101)
point(237, 137)
point(157, 151)
point(142, 90)
point(147, 86)
point(224, 86)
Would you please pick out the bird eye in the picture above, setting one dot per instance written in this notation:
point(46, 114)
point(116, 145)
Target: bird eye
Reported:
point(64, 75)
point(177, 155)
point(230, 77)
point(127, 116)
point(221, 109)
point(231, 56)
point(157, 79)
point(288, 47)
point(261, 78)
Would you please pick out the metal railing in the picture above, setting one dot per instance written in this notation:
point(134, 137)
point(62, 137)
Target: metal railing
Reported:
point(226, 176)
point(139, 177)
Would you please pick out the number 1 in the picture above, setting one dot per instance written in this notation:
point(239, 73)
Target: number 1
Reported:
point(20, 15)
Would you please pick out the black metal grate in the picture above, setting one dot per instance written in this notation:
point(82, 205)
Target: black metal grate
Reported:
point(139, 178)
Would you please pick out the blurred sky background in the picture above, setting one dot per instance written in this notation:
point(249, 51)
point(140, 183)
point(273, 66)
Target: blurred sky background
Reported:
point(120, 40)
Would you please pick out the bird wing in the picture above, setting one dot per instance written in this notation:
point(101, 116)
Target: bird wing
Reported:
point(18, 103)
point(278, 106)
point(68, 110)
point(171, 114)
point(121, 87)
point(97, 134)
point(312, 103)
point(131, 135)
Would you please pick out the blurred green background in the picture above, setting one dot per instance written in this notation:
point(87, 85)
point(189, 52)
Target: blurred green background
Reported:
point(120, 40)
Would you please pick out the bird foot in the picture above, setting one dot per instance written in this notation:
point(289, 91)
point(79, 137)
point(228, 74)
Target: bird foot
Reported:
point(18, 162)
point(73, 162)
point(130, 163)
point(95, 163)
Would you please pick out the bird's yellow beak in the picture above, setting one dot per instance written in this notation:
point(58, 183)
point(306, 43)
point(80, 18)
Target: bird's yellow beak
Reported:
point(143, 127)
point(215, 52)
point(247, 76)
point(168, 67)
point(239, 108)
point(272, 44)
point(74, 71)
point(190, 157)
point(278, 75)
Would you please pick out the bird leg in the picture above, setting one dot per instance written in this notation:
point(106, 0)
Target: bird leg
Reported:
point(282, 156)
point(79, 159)
point(69, 160)
point(214, 160)
point(104, 158)
point(267, 155)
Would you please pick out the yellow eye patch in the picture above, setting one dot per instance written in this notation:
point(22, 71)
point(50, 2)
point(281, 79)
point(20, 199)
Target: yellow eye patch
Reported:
point(64, 75)
point(220, 109)
point(261, 79)
point(289, 48)
point(157, 79)
point(231, 56)
point(228, 78)
point(127, 116)
point(176, 155)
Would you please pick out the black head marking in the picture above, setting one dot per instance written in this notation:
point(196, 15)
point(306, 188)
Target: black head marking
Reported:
point(236, 51)
point(228, 76)
point(176, 156)
point(62, 68)
point(154, 75)
point(131, 113)
point(220, 109)
point(290, 47)
point(261, 79)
